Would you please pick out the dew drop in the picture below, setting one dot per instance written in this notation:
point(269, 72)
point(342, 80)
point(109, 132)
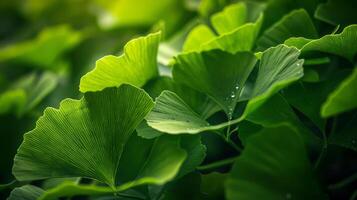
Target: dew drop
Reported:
point(298, 64)
point(237, 87)
point(288, 196)
point(233, 95)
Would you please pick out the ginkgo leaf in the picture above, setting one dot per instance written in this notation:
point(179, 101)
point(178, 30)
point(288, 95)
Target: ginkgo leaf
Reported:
point(295, 24)
point(198, 101)
point(337, 12)
point(314, 95)
point(241, 39)
point(26, 192)
point(26, 93)
point(216, 73)
point(44, 50)
point(208, 7)
point(266, 170)
point(172, 115)
point(279, 66)
point(83, 138)
point(276, 110)
point(342, 44)
point(198, 36)
point(196, 153)
point(342, 98)
point(135, 66)
point(142, 162)
point(230, 18)
point(237, 28)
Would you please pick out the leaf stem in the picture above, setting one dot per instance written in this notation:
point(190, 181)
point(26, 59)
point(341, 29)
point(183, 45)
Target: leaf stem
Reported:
point(344, 182)
point(229, 141)
point(217, 164)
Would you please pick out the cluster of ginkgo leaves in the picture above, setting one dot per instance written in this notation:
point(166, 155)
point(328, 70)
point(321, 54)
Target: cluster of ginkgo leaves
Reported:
point(274, 81)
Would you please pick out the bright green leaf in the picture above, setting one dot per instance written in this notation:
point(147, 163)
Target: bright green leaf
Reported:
point(135, 66)
point(218, 74)
point(172, 115)
point(230, 18)
point(279, 67)
point(343, 44)
point(238, 28)
point(72, 141)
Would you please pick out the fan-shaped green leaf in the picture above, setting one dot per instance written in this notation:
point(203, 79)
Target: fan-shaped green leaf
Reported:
point(276, 110)
point(279, 67)
point(27, 93)
point(337, 12)
point(230, 18)
point(44, 50)
point(237, 30)
point(198, 101)
point(308, 97)
point(172, 115)
point(198, 36)
point(295, 24)
point(196, 153)
point(241, 39)
point(142, 162)
point(265, 169)
point(342, 98)
point(26, 192)
point(343, 44)
point(136, 66)
point(216, 73)
point(83, 138)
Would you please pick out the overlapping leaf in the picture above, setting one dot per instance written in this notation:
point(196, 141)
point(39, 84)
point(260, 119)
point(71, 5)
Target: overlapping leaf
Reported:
point(26, 93)
point(343, 44)
point(26, 192)
point(343, 98)
point(91, 137)
point(337, 12)
point(266, 170)
point(237, 30)
point(216, 73)
point(136, 66)
point(44, 50)
point(295, 24)
point(279, 67)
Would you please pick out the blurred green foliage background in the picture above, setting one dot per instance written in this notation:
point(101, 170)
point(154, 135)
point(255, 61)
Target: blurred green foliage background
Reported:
point(47, 45)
